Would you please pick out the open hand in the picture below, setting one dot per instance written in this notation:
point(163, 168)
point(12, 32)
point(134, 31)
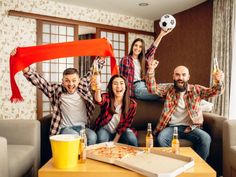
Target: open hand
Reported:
point(163, 33)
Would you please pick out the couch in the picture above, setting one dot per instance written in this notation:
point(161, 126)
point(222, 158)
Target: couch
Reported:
point(149, 111)
point(229, 149)
point(19, 148)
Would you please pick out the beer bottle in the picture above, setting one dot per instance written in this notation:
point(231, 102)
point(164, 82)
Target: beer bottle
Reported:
point(149, 138)
point(95, 75)
point(215, 69)
point(82, 146)
point(175, 141)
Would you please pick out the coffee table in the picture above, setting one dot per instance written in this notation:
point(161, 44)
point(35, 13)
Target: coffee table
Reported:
point(93, 168)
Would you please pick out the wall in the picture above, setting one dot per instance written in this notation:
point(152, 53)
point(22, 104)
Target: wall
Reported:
point(16, 31)
point(188, 44)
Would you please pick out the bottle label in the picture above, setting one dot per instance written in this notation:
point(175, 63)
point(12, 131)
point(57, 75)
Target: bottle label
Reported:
point(82, 156)
point(175, 146)
point(149, 142)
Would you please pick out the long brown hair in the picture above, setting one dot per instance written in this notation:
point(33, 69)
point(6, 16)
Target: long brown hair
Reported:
point(126, 98)
point(141, 56)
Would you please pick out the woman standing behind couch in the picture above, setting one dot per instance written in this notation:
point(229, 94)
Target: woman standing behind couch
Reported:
point(133, 67)
point(117, 112)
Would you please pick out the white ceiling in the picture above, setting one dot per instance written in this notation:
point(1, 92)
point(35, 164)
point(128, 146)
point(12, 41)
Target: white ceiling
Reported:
point(153, 11)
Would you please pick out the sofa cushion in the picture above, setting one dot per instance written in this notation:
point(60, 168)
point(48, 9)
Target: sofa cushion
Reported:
point(20, 159)
point(232, 157)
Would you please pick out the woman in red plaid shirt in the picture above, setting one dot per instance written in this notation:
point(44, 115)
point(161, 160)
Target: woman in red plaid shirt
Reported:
point(117, 112)
point(133, 67)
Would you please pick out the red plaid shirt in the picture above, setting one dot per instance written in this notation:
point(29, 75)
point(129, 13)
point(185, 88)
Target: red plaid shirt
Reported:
point(105, 116)
point(53, 91)
point(127, 67)
point(192, 98)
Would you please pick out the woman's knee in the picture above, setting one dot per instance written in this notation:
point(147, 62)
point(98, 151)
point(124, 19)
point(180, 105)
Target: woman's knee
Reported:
point(92, 137)
point(102, 135)
point(130, 137)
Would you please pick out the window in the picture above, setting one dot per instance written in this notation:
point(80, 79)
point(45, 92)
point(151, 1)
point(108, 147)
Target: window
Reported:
point(52, 70)
point(119, 41)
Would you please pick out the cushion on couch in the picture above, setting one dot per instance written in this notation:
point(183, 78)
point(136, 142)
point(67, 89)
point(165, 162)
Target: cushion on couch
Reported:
point(20, 159)
point(232, 157)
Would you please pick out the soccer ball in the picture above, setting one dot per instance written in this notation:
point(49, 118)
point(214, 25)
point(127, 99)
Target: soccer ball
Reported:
point(167, 22)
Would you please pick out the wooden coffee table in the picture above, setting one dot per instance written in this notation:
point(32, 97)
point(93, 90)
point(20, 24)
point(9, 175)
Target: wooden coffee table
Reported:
point(94, 168)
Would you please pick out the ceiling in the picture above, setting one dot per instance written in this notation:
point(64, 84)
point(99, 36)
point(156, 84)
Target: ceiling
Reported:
point(153, 11)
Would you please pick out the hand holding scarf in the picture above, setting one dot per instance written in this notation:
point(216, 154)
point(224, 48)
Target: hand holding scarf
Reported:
point(26, 56)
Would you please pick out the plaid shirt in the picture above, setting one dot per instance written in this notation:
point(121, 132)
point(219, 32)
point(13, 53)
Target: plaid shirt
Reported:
point(127, 67)
point(192, 98)
point(105, 116)
point(53, 92)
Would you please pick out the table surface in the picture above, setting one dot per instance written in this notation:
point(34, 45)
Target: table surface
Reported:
point(95, 168)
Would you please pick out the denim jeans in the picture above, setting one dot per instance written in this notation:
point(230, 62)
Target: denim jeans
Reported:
point(91, 135)
point(128, 137)
point(201, 140)
point(141, 92)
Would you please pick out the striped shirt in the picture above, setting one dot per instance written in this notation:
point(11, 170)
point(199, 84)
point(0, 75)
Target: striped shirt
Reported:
point(192, 98)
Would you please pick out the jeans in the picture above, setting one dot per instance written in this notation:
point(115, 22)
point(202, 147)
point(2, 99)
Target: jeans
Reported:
point(141, 92)
point(201, 140)
point(128, 137)
point(91, 135)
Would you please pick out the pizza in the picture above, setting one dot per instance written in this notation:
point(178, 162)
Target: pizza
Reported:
point(114, 152)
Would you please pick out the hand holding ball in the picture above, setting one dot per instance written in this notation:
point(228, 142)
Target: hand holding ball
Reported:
point(167, 22)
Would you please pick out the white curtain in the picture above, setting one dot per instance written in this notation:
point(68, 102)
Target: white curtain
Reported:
point(222, 49)
point(232, 110)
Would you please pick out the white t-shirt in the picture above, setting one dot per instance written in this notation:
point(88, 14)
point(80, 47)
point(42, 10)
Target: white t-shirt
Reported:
point(180, 115)
point(73, 110)
point(137, 70)
point(112, 125)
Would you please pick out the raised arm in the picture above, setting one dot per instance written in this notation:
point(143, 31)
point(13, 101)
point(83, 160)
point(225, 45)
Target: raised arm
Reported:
point(150, 80)
point(216, 89)
point(96, 86)
point(151, 51)
point(160, 36)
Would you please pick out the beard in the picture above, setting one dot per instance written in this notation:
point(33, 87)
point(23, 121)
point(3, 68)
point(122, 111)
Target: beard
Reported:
point(180, 88)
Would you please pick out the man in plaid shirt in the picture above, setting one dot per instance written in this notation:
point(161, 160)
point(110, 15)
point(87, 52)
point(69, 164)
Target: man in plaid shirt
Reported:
point(182, 107)
point(72, 102)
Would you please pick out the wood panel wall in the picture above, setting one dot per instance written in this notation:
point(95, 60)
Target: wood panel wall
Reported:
point(188, 44)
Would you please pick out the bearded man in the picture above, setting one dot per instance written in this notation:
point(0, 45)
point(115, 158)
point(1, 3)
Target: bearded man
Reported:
point(182, 107)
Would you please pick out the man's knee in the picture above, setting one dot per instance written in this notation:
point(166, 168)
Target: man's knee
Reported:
point(162, 140)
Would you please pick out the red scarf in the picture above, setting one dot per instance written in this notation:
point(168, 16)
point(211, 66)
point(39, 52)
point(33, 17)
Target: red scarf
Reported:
point(26, 56)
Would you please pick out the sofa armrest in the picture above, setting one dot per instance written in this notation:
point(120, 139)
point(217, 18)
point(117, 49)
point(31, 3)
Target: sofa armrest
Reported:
point(213, 124)
point(3, 157)
point(23, 132)
point(20, 132)
point(229, 140)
